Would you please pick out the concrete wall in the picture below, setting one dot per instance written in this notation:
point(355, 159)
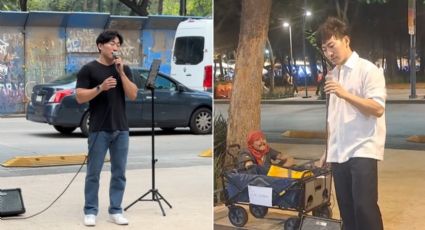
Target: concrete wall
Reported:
point(12, 76)
point(80, 47)
point(158, 44)
point(44, 54)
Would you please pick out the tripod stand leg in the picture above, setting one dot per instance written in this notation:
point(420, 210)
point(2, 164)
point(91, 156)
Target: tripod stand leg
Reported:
point(159, 194)
point(157, 199)
point(139, 199)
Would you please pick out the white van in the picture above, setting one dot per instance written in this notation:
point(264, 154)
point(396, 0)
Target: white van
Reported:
point(193, 54)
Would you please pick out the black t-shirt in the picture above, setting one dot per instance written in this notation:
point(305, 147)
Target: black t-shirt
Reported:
point(107, 110)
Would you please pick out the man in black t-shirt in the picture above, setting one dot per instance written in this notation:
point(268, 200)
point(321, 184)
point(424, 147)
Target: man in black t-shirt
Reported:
point(105, 83)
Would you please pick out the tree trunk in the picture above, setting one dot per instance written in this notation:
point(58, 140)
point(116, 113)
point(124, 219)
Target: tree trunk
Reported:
point(93, 6)
point(182, 8)
point(160, 6)
point(23, 5)
point(272, 62)
point(390, 51)
point(341, 11)
point(138, 7)
point(244, 109)
point(422, 54)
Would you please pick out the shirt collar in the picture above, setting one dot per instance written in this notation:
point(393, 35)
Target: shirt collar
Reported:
point(352, 60)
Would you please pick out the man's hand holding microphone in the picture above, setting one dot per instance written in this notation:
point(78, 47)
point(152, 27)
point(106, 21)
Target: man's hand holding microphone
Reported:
point(332, 86)
point(118, 62)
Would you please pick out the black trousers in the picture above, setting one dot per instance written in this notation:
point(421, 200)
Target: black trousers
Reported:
point(356, 186)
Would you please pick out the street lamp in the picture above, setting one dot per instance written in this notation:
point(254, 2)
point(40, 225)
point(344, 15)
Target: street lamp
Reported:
point(307, 13)
point(286, 24)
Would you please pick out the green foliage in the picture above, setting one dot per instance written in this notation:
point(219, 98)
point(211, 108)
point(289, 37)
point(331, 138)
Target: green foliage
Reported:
point(171, 7)
point(38, 5)
point(60, 5)
point(199, 7)
point(220, 133)
point(9, 5)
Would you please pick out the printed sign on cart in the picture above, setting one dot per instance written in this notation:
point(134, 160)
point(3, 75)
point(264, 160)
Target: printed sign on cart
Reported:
point(260, 195)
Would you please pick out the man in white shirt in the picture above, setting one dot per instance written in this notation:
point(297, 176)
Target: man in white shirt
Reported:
point(356, 127)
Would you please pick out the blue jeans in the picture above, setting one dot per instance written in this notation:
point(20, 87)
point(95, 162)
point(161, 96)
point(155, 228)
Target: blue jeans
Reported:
point(99, 143)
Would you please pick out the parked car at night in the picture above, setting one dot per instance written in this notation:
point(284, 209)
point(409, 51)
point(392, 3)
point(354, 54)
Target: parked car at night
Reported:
point(176, 105)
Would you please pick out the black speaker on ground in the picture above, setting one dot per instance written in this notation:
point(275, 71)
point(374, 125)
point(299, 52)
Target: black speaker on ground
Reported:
point(11, 203)
point(316, 223)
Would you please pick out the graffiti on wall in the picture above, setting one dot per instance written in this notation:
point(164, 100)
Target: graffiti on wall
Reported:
point(12, 82)
point(81, 40)
point(131, 49)
point(81, 48)
point(45, 55)
point(158, 44)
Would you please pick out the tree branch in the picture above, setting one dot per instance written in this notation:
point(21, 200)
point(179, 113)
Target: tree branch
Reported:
point(138, 7)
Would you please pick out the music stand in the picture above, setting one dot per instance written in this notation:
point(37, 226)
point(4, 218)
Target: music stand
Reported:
point(156, 196)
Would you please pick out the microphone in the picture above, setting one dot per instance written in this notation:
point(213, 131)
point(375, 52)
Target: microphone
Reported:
point(116, 54)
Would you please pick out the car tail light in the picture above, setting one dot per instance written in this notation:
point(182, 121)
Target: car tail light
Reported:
point(59, 95)
point(207, 77)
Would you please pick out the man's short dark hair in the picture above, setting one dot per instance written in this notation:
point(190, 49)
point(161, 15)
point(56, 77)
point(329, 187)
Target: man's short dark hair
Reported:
point(107, 36)
point(333, 27)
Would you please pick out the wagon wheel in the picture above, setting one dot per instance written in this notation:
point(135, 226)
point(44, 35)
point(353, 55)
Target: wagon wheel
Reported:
point(323, 211)
point(238, 216)
point(292, 223)
point(258, 211)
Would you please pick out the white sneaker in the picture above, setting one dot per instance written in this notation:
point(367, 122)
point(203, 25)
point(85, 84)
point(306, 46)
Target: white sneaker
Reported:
point(89, 220)
point(118, 218)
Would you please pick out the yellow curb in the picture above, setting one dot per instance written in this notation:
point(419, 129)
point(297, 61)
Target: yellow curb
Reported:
point(304, 134)
point(206, 153)
point(416, 138)
point(46, 160)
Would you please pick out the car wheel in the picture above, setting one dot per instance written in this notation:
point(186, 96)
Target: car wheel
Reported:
point(84, 126)
point(64, 130)
point(201, 121)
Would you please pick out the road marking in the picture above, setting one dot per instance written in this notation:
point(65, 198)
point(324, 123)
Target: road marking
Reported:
point(416, 138)
point(304, 134)
point(46, 160)
point(206, 153)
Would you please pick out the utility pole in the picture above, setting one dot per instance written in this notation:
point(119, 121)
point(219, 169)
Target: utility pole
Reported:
point(411, 23)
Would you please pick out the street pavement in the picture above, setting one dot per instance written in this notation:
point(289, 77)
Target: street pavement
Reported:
point(188, 189)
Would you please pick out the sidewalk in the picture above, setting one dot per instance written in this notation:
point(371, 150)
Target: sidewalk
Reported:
point(401, 189)
point(397, 93)
point(188, 190)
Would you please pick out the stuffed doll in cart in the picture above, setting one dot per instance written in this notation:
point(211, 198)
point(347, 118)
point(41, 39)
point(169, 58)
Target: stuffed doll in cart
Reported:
point(259, 156)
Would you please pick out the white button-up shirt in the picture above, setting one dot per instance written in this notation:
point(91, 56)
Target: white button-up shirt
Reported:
point(352, 133)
